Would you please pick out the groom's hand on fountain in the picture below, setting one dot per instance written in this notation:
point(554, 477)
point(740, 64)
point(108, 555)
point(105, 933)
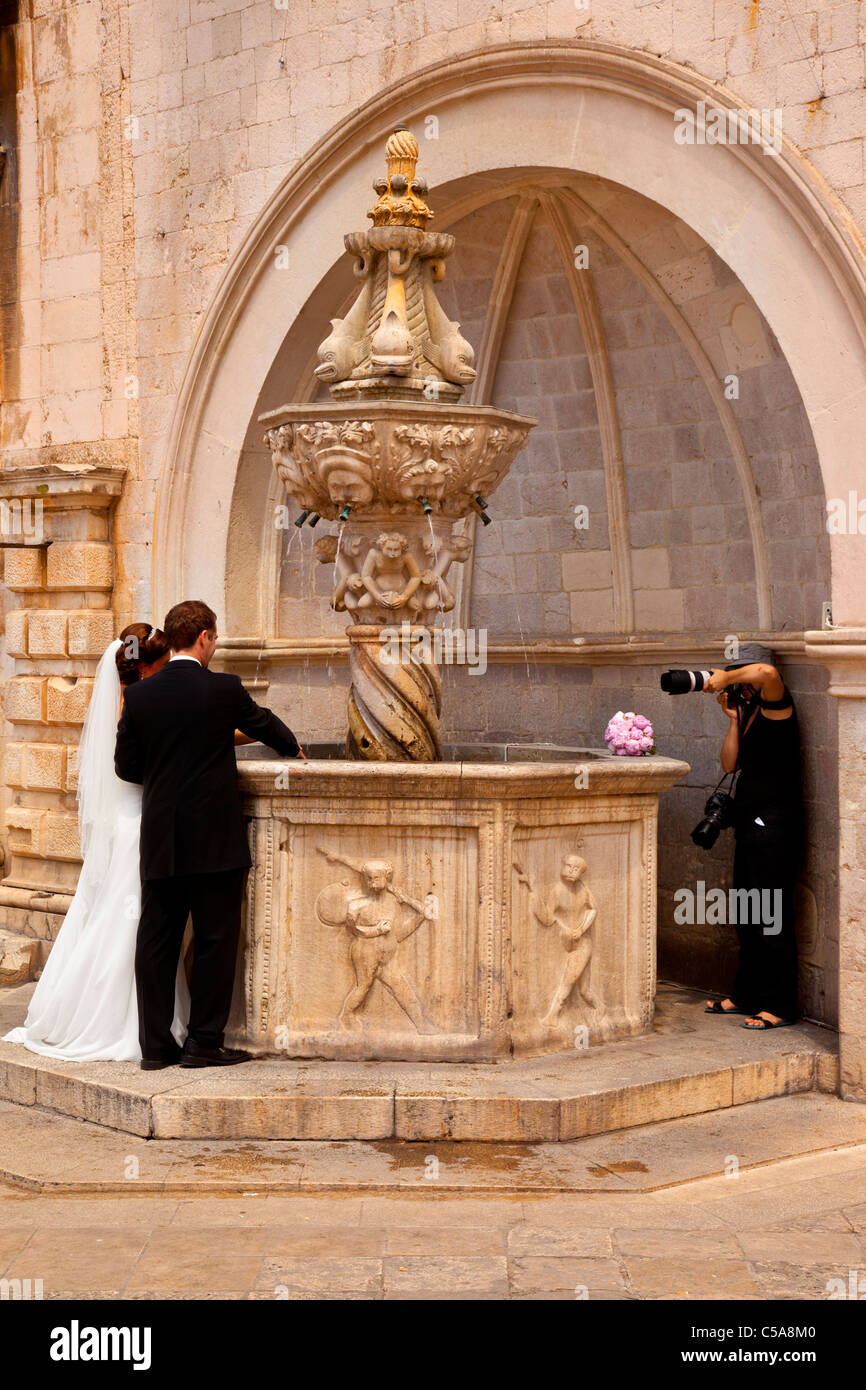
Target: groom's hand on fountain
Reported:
point(262, 726)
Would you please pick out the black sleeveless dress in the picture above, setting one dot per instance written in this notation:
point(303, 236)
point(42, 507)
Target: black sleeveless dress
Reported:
point(768, 830)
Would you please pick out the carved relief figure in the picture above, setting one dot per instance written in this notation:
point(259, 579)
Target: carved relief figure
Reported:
point(281, 442)
point(390, 575)
point(376, 919)
point(446, 347)
point(437, 594)
point(426, 478)
point(343, 349)
point(499, 448)
point(350, 585)
point(570, 907)
point(346, 471)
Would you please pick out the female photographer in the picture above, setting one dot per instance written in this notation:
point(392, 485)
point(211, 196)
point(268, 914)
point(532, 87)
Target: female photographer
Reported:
point(763, 741)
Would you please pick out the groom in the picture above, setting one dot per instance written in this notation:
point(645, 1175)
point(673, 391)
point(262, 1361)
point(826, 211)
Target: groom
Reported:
point(176, 738)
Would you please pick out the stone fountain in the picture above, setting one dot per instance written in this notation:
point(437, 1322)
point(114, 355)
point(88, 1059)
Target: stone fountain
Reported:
point(404, 905)
point(398, 461)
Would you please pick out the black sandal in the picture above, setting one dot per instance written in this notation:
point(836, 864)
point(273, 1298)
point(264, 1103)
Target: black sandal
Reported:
point(762, 1025)
point(716, 1008)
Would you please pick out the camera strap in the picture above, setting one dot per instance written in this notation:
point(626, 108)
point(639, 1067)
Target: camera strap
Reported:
point(724, 778)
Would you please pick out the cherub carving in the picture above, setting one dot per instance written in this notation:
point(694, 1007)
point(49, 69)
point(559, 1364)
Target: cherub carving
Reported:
point(349, 585)
point(377, 922)
point(571, 907)
point(437, 594)
point(390, 574)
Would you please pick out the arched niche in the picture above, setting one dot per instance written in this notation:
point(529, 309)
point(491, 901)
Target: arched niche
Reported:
point(628, 363)
point(598, 109)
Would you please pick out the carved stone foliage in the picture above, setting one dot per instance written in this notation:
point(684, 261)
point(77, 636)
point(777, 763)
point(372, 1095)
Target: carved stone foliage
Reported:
point(393, 464)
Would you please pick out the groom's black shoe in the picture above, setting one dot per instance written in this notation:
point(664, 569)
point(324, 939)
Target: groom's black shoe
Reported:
point(196, 1056)
point(157, 1063)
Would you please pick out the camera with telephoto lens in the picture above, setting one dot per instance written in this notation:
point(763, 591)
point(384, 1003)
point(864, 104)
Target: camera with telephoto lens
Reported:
point(682, 682)
point(718, 815)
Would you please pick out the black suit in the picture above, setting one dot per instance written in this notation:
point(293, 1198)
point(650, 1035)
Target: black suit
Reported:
point(176, 738)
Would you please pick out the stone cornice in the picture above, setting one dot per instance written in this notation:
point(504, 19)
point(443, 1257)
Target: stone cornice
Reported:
point(59, 486)
point(346, 780)
point(661, 651)
point(843, 651)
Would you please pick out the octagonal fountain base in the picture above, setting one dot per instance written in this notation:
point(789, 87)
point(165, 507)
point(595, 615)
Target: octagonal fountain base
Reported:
point(455, 911)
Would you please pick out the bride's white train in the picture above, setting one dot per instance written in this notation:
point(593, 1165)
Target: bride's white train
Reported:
point(84, 1007)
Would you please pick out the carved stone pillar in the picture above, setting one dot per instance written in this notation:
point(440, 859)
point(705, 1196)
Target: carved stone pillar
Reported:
point(396, 695)
point(61, 575)
point(843, 652)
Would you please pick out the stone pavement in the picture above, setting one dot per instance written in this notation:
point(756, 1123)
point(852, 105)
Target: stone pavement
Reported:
point(755, 1227)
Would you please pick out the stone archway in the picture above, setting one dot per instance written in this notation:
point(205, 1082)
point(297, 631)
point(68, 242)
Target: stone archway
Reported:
point(613, 118)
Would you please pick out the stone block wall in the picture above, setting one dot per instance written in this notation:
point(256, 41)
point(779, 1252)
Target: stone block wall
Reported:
point(61, 624)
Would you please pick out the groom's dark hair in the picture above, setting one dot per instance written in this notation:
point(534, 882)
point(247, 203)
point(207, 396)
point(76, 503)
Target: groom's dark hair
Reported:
point(185, 621)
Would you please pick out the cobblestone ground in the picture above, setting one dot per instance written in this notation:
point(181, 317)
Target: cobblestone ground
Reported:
point(784, 1231)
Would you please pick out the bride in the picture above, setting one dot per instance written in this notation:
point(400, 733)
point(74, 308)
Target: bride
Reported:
point(84, 1007)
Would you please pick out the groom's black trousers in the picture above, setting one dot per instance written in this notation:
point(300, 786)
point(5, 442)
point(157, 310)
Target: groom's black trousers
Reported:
point(215, 901)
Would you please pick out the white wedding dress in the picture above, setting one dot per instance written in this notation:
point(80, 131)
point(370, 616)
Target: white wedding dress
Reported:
point(84, 1007)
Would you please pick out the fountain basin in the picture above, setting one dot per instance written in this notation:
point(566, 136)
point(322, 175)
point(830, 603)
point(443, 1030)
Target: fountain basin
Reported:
point(453, 911)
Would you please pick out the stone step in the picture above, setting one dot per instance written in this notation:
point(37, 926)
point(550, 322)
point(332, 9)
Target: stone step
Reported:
point(48, 1153)
point(692, 1063)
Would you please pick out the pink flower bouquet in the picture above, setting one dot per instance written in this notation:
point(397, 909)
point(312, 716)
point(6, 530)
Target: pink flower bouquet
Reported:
point(629, 735)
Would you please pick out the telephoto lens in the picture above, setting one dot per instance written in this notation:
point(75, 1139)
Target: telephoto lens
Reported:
point(683, 682)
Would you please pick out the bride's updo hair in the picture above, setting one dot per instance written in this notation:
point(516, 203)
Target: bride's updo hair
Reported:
point(140, 645)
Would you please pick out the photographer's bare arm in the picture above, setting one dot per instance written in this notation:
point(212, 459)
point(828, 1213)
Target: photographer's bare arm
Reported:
point(764, 680)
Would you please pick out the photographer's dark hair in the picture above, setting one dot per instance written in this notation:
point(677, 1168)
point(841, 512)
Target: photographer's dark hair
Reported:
point(141, 645)
point(185, 621)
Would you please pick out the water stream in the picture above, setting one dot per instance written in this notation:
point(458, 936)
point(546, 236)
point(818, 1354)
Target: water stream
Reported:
point(337, 559)
point(438, 611)
point(286, 549)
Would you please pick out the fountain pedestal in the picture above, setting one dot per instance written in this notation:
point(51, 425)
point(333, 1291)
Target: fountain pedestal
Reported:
point(449, 911)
